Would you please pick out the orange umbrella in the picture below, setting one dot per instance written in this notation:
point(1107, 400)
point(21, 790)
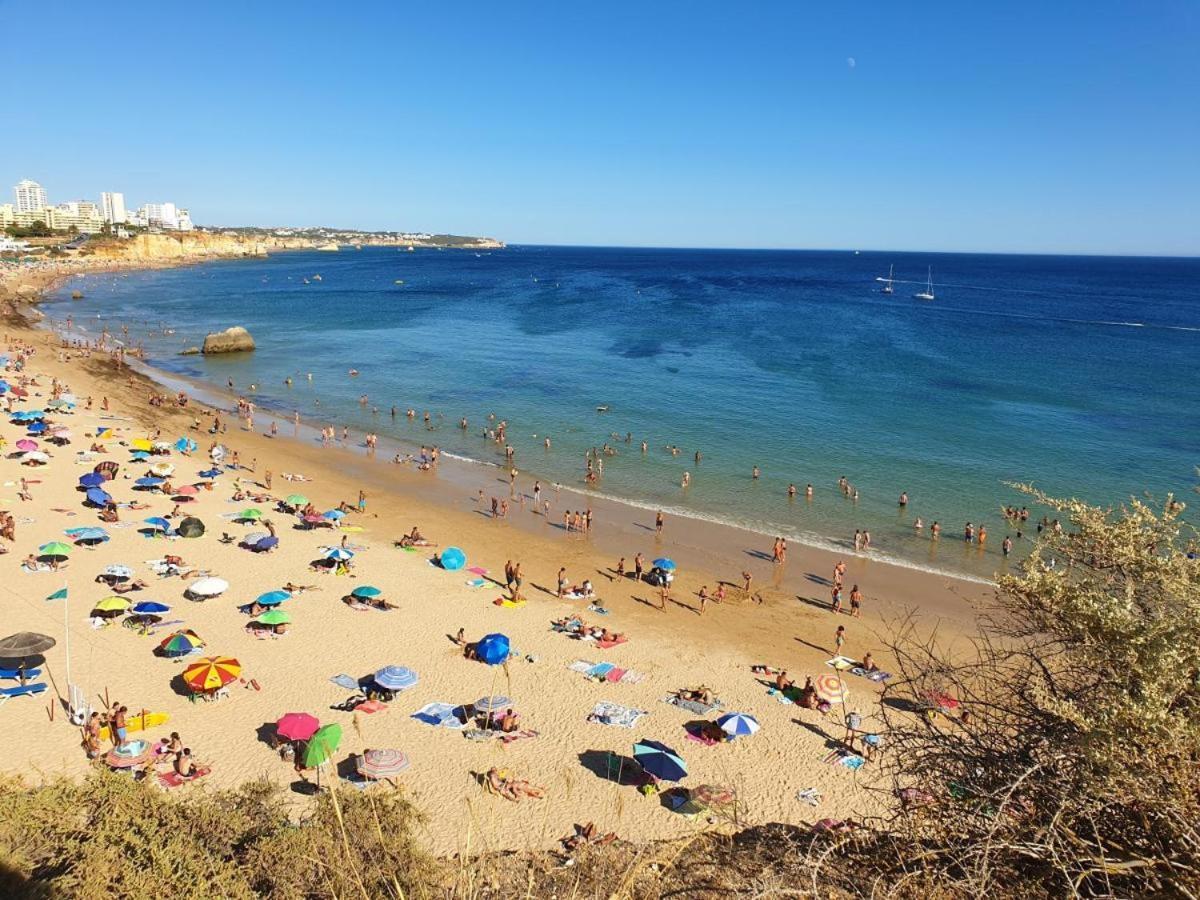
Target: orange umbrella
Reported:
point(211, 673)
point(830, 687)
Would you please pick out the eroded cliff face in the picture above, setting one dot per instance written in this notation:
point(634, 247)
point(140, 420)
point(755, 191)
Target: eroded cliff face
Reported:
point(196, 244)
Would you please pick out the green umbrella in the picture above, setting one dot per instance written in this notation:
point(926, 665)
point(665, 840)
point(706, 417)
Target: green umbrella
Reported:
point(296, 500)
point(54, 548)
point(322, 745)
point(275, 617)
point(250, 514)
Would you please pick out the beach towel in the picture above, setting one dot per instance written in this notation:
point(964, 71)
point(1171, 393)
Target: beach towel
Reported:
point(371, 706)
point(582, 666)
point(877, 676)
point(845, 758)
point(605, 713)
point(440, 714)
point(605, 645)
point(600, 670)
point(614, 675)
point(477, 570)
point(174, 780)
point(780, 696)
point(526, 734)
point(345, 681)
point(509, 604)
point(811, 796)
point(841, 663)
point(692, 706)
point(598, 610)
point(475, 582)
point(632, 677)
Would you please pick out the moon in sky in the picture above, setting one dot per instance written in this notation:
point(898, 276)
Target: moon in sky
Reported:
point(851, 62)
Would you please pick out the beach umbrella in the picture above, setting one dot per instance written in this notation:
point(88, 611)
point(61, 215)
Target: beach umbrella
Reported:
point(185, 445)
point(452, 559)
point(492, 649)
point(254, 537)
point(339, 554)
point(830, 687)
point(61, 436)
point(25, 643)
point(208, 587)
point(322, 745)
point(36, 428)
point(366, 590)
point(129, 754)
point(158, 523)
point(664, 563)
point(273, 598)
point(262, 545)
point(98, 497)
point(737, 724)
point(191, 527)
point(107, 469)
point(493, 703)
point(396, 678)
point(142, 444)
point(275, 617)
point(26, 444)
point(382, 763)
point(187, 490)
point(210, 473)
point(34, 456)
point(181, 643)
point(659, 760)
point(334, 515)
point(91, 536)
point(149, 482)
point(297, 726)
point(162, 469)
point(110, 606)
point(313, 521)
point(211, 673)
point(150, 608)
point(139, 456)
point(19, 391)
point(249, 515)
point(4, 386)
point(91, 480)
point(56, 549)
point(295, 500)
point(59, 404)
point(121, 573)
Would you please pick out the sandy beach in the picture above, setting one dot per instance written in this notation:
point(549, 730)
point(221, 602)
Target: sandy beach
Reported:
point(792, 628)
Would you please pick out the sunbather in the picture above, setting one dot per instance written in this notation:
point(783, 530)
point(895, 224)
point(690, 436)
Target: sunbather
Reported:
point(868, 663)
point(702, 694)
point(511, 788)
point(510, 722)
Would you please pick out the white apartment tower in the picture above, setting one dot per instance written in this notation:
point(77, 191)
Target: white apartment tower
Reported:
point(112, 208)
point(31, 196)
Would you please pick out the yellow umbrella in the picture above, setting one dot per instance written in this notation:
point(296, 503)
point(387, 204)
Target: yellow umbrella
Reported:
point(141, 444)
point(211, 673)
point(110, 603)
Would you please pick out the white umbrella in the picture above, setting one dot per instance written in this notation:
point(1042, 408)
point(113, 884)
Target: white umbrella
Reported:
point(34, 456)
point(162, 469)
point(208, 587)
point(118, 571)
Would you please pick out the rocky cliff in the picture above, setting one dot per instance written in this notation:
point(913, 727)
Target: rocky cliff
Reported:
point(231, 340)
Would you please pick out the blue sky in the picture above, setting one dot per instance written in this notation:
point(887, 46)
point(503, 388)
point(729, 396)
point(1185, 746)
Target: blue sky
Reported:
point(1046, 127)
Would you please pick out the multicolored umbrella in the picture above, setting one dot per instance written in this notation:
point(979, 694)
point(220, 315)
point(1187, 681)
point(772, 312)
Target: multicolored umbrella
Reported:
point(129, 754)
point(275, 617)
point(736, 724)
point(493, 649)
point(322, 745)
point(212, 672)
point(297, 726)
point(382, 763)
point(830, 687)
point(339, 554)
point(396, 678)
point(181, 643)
point(659, 760)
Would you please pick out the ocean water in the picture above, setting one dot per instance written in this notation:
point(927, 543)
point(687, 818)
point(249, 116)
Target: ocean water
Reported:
point(1076, 373)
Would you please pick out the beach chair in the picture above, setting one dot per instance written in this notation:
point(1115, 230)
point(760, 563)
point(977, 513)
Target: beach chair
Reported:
point(22, 690)
point(14, 674)
point(78, 709)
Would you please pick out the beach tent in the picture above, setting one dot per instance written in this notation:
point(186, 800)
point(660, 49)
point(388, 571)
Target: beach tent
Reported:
point(452, 559)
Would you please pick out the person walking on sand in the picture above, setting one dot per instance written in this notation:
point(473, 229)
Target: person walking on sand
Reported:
point(747, 578)
point(855, 602)
point(562, 582)
point(659, 521)
point(839, 639)
point(621, 568)
point(664, 594)
point(703, 595)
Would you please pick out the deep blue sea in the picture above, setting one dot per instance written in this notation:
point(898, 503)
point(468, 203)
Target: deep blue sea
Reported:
point(1076, 373)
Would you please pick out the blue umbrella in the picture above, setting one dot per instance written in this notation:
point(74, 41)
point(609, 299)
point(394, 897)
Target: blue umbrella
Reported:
point(339, 553)
point(493, 703)
point(184, 445)
point(492, 649)
point(91, 480)
point(36, 427)
point(735, 724)
point(366, 590)
point(334, 515)
point(97, 497)
point(396, 678)
point(90, 536)
point(267, 543)
point(452, 559)
point(158, 523)
point(210, 473)
point(3, 387)
point(149, 607)
point(664, 563)
point(273, 598)
point(659, 760)
point(149, 482)
point(139, 455)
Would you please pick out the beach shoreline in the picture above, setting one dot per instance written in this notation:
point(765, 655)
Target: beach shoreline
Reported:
point(676, 648)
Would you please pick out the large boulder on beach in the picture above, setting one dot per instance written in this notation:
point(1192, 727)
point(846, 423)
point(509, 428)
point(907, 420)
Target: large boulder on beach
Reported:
point(231, 340)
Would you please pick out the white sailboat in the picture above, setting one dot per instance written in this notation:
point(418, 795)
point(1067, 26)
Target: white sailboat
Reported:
point(927, 294)
point(887, 283)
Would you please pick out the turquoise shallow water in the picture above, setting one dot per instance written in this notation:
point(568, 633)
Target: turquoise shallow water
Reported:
point(1076, 373)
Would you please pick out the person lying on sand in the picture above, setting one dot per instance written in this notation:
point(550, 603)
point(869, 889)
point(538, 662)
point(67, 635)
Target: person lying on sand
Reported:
point(299, 588)
point(585, 835)
point(136, 585)
point(414, 539)
point(702, 694)
point(500, 782)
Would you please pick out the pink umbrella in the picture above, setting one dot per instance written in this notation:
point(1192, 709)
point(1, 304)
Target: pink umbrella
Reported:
point(26, 444)
point(187, 490)
point(297, 726)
